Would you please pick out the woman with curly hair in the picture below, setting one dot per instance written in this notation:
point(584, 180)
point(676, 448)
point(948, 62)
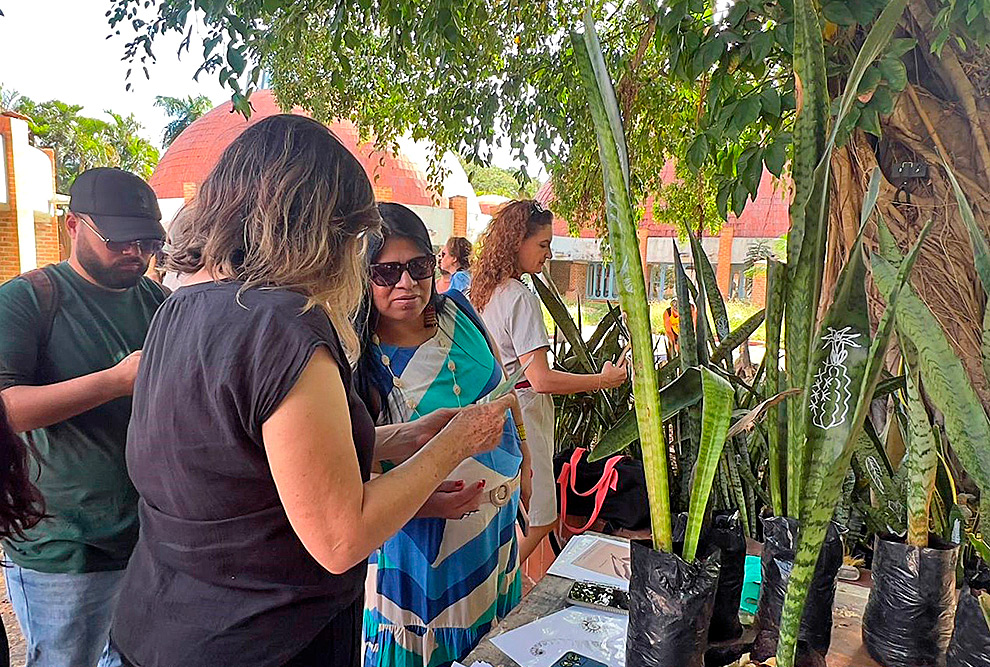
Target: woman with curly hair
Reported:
point(454, 260)
point(517, 241)
point(21, 504)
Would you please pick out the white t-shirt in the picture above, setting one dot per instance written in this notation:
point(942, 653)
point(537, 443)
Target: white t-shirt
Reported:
point(514, 319)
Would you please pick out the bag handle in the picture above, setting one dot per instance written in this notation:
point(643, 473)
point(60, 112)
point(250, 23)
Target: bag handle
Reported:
point(609, 480)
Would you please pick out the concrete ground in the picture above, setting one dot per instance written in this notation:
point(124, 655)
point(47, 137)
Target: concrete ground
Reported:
point(14, 637)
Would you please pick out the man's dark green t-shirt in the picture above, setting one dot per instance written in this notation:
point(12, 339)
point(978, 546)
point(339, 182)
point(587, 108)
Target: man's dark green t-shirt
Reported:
point(80, 469)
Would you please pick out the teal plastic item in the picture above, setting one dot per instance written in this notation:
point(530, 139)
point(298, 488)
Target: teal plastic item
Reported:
point(751, 585)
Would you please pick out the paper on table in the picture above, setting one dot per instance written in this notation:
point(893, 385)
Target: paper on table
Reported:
point(594, 634)
point(592, 558)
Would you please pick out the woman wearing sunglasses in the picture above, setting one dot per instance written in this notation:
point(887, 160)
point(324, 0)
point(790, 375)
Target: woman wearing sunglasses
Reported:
point(450, 573)
point(248, 444)
point(517, 242)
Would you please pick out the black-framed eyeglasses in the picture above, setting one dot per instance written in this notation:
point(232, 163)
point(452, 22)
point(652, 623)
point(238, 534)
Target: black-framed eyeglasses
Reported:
point(388, 274)
point(143, 246)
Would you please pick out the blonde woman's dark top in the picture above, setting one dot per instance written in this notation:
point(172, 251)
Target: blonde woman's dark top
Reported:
point(218, 576)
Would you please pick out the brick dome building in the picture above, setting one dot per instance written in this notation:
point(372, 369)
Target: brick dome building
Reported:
point(189, 159)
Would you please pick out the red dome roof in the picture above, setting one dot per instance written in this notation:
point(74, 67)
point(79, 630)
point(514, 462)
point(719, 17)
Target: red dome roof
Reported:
point(194, 153)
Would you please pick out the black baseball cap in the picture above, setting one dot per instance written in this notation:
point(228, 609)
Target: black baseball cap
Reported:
point(121, 204)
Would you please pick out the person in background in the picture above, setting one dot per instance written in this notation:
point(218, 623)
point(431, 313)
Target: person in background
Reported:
point(451, 573)
point(21, 504)
point(249, 446)
point(672, 326)
point(70, 344)
point(517, 242)
point(454, 261)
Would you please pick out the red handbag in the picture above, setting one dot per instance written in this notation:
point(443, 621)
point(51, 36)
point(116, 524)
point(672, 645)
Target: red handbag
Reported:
point(568, 477)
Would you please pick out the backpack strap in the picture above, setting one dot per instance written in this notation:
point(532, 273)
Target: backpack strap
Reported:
point(47, 294)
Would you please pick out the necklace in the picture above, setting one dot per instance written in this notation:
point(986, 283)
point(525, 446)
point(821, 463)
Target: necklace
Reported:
point(400, 385)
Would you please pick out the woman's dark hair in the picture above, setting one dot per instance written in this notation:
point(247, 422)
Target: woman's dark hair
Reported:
point(402, 222)
point(21, 504)
point(460, 249)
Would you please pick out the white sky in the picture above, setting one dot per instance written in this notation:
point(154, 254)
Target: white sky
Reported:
point(57, 49)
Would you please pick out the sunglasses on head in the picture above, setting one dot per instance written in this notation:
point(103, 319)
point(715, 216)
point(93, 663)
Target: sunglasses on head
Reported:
point(536, 208)
point(387, 274)
point(143, 246)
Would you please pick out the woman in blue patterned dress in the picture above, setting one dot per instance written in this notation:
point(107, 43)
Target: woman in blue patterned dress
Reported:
point(441, 583)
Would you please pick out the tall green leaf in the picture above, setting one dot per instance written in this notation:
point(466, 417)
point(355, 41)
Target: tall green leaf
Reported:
point(715, 416)
point(688, 342)
point(847, 366)
point(737, 337)
point(707, 278)
point(776, 288)
point(922, 454)
point(629, 272)
point(562, 318)
point(946, 383)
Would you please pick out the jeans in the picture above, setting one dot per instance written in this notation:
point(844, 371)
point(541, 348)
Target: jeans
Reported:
point(65, 618)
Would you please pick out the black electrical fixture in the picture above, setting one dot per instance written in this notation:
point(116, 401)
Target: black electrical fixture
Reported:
point(906, 172)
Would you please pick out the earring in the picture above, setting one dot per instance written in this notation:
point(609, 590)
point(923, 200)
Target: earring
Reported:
point(430, 317)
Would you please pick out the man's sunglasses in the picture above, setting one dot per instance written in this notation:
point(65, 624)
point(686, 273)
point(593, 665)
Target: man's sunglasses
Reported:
point(143, 246)
point(387, 274)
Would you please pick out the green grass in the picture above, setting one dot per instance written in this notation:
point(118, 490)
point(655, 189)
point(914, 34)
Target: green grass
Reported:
point(592, 313)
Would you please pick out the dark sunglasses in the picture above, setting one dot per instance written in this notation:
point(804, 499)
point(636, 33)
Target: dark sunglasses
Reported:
point(536, 208)
point(387, 274)
point(143, 246)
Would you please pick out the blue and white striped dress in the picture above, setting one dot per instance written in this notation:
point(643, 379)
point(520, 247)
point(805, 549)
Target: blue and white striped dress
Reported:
point(438, 586)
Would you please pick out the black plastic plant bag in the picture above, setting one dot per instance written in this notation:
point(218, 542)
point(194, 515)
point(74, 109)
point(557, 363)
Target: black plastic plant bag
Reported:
point(970, 645)
point(722, 532)
point(670, 605)
point(908, 618)
point(777, 561)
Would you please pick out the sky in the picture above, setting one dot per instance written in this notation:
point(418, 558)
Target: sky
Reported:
point(58, 49)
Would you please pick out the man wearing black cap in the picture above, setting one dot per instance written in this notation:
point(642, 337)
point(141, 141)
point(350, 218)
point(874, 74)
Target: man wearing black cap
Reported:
point(69, 351)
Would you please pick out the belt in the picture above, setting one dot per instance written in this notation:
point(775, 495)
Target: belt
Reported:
point(501, 494)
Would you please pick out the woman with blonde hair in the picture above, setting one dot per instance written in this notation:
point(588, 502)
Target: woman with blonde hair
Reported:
point(517, 242)
point(248, 445)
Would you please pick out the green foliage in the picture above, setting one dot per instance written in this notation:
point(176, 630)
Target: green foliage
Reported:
point(82, 143)
point(492, 180)
point(182, 111)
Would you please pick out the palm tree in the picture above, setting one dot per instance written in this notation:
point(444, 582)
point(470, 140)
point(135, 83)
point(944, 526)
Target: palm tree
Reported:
point(182, 111)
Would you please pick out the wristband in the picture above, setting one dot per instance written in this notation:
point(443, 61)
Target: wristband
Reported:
point(521, 430)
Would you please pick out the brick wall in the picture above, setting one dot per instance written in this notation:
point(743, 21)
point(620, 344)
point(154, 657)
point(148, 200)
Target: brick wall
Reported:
point(459, 205)
point(10, 254)
point(579, 281)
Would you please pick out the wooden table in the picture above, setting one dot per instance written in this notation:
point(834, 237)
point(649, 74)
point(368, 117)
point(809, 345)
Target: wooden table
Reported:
point(550, 594)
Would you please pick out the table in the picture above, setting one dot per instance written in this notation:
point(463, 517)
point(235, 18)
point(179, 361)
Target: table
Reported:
point(550, 594)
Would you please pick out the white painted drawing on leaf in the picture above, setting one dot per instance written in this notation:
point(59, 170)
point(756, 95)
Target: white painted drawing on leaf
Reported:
point(830, 395)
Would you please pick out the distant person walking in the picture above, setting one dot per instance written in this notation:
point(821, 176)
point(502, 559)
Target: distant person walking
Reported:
point(454, 262)
point(672, 326)
point(517, 242)
point(69, 351)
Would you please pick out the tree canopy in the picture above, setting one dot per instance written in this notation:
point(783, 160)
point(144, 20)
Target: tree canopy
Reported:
point(182, 112)
point(81, 142)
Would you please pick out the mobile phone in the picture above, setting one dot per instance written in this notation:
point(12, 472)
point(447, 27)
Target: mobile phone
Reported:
point(572, 659)
point(599, 596)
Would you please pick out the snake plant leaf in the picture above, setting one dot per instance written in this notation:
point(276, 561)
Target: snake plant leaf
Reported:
point(682, 393)
point(922, 454)
point(605, 327)
point(628, 266)
point(715, 415)
point(945, 380)
point(981, 257)
point(565, 323)
point(749, 419)
point(984, 600)
point(701, 325)
point(737, 337)
point(688, 342)
point(872, 193)
point(847, 369)
point(776, 288)
point(708, 281)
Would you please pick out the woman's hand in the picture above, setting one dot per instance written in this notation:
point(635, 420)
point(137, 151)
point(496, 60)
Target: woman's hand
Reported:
point(613, 376)
point(477, 428)
point(397, 442)
point(452, 500)
point(525, 480)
